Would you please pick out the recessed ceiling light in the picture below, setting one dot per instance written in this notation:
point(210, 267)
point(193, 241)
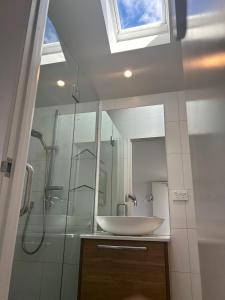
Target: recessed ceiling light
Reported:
point(128, 74)
point(61, 83)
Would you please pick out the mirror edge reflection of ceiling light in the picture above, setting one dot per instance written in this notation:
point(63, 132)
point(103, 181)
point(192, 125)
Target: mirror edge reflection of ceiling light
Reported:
point(128, 74)
point(61, 83)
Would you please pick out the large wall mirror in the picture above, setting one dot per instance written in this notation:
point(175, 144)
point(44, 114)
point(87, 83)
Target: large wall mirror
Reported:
point(133, 178)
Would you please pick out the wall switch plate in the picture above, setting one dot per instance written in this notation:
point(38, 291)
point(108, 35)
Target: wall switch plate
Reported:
point(180, 195)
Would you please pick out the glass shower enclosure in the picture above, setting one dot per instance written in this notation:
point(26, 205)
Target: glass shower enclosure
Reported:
point(59, 190)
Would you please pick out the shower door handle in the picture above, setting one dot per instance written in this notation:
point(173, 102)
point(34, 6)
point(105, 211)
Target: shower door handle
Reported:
point(28, 191)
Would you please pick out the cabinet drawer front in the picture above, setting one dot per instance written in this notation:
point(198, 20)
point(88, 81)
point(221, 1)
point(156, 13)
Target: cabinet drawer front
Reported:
point(125, 250)
point(122, 269)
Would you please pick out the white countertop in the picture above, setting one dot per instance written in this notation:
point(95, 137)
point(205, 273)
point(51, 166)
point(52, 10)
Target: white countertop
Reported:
point(108, 236)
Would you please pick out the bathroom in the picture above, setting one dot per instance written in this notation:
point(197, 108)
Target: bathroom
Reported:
point(107, 207)
point(131, 148)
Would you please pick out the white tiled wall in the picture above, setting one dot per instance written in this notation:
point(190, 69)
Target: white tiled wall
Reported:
point(183, 252)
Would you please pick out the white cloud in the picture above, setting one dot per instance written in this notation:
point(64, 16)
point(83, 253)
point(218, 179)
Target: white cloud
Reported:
point(142, 11)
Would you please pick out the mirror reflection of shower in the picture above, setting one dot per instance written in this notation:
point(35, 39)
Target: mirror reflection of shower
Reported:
point(48, 190)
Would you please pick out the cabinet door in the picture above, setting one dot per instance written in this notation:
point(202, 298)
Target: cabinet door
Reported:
point(123, 270)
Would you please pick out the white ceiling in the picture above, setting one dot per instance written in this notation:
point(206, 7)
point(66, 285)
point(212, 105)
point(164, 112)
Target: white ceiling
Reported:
point(50, 94)
point(81, 28)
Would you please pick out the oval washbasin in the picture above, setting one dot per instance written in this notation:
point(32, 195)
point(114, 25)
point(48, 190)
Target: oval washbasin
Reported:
point(129, 225)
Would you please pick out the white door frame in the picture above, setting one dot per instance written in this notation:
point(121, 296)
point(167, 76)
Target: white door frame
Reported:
point(18, 141)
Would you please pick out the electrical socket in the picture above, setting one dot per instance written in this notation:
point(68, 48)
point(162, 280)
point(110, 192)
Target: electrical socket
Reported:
point(180, 195)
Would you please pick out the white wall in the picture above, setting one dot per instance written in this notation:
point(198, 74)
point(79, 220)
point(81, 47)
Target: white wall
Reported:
point(148, 165)
point(141, 122)
point(85, 127)
point(149, 160)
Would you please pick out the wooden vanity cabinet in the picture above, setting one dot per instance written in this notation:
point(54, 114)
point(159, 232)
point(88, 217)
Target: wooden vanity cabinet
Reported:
point(123, 270)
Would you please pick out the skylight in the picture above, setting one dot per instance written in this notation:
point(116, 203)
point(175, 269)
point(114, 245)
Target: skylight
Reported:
point(52, 51)
point(51, 35)
point(136, 24)
point(136, 13)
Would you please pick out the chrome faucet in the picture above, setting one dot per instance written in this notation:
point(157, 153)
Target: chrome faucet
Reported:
point(132, 198)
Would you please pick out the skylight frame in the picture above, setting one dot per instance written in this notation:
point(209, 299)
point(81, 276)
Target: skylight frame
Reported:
point(136, 39)
point(52, 53)
point(124, 34)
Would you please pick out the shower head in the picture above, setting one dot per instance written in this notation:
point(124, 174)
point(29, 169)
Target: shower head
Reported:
point(38, 135)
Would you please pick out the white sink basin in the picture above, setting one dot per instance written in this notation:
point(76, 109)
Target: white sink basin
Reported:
point(129, 225)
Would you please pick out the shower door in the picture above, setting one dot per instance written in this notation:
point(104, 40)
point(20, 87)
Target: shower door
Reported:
point(39, 252)
point(63, 156)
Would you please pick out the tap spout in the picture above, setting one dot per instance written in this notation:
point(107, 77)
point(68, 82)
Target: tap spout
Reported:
point(132, 198)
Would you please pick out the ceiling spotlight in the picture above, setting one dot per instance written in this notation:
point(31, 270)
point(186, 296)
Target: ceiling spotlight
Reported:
point(61, 83)
point(128, 74)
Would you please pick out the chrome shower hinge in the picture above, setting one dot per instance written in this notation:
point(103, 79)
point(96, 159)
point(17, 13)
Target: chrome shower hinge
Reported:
point(6, 167)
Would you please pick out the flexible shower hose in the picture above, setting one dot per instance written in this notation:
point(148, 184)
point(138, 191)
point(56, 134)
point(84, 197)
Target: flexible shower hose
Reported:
point(35, 250)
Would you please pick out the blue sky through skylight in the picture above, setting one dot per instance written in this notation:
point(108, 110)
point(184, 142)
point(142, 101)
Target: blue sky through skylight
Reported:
point(51, 35)
point(134, 13)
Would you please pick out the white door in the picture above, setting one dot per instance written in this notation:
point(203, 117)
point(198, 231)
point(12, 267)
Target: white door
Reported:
point(4, 121)
point(21, 28)
point(161, 206)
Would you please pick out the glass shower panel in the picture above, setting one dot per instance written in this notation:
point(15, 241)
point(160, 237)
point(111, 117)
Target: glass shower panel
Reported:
point(80, 210)
point(38, 259)
point(51, 270)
